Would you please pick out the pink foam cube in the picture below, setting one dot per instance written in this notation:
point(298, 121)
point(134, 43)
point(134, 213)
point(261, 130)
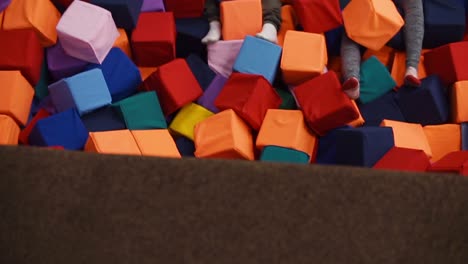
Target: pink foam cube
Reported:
point(222, 55)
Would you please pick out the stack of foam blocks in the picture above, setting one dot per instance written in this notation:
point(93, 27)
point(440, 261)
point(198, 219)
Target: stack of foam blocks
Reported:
point(132, 77)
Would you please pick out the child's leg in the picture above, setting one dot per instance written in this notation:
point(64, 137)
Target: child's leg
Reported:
point(414, 34)
point(271, 20)
point(350, 63)
point(212, 15)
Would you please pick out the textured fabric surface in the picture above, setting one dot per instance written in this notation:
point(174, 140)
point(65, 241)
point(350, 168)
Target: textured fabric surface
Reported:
point(70, 207)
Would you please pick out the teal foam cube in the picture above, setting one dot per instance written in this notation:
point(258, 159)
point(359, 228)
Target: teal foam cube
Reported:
point(281, 154)
point(375, 80)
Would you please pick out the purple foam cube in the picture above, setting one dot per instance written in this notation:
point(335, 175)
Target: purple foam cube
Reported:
point(61, 65)
point(153, 6)
point(4, 4)
point(210, 94)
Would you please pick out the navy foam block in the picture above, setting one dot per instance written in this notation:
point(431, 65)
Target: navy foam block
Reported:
point(63, 129)
point(333, 40)
point(444, 22)
point(464, 135)
point(185, 146)
point(281, 154)
point(427, 105)
point(124, 12)
point(363, 146)
point(200, 69)
point(326, 152)
point(104, 119)
point(398, 40)
point(384, 107)
point(190, 32)
point(258, 56)
point(121, 74)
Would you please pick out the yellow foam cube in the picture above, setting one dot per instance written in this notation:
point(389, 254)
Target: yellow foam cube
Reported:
point(187, 118)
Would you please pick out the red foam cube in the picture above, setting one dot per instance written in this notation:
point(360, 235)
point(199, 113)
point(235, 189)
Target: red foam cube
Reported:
point(21, 49)
point(250, 96)
point(185, 8)
point(154, 39)
point(448, 61)
point(455, 162)
point(318, 16)
point(24, 134)
point(175, 85)
point(404, 159)
point(324, 104)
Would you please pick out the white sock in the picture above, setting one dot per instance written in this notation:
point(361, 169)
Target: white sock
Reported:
point(214, 34)
point(269, 33)
point(411, 71)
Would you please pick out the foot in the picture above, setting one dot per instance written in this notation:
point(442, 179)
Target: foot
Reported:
point(269, 32)
point(351, 88)
point(214, 34)
point(411, 77)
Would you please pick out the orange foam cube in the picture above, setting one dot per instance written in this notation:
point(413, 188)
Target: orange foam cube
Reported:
point(289, 21)
point(123, 43)
point(145, 72)
point(443, 139)
point(372, 23)
point(399, 68)
point(408, 135)
point(384, 55)
point(286, 128)
point(1, 19)
point(241, 18)
point(119, 142)
point(16, 96)
point(9, 131)
point(39, 15)
point(304, 56)
point(360, 120)
point(156, 142)
point(458, 98)
point(224, 135)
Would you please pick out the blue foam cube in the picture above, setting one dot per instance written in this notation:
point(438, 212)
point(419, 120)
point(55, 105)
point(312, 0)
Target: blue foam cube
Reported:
point(86, 91)
point(464, 135)
point(333, 40)
point(190, 32)
point(104, 119)
point(200, 69)
point(63, 129)
point(281, 154)
point(427, 105)
point(124, 12)
point(363, 146)
point(258, 56)
point(326, 152)
point(121, 74)
point(384, 107)
point(185, 146)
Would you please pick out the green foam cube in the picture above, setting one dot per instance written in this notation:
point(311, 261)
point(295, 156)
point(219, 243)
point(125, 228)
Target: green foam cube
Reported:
point(375, 80)
point(281, 154)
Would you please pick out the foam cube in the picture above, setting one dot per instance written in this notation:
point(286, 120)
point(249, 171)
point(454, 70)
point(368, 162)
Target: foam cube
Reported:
point(359, 121)
point(145, 72)
point(123, 43)
point(156, 142)
point(464, 135)
point(61, 65)
point(404, 159)
point(9, 131)
point(372, 23)
point(443, 139)
point(258, 56)
point(326, 147)
point(211, 93)
point(86, 91)
point(16, 96)
point(240, 18)
point(20, 49)
point(458, 97)
point(24, 134)
point(141, 111)
point(384, 107)
point(444, 22)
point(317, 16)
point(63, 129)
point(119, 142)
point(333, 41)
point(87, 31)
point(121, 74)
point(47, 104)
point(103, 119)
point(432, 106)
point(399, 68)
point(304, 56)
point(286, 128)
point(185, 146)
point(454, 162)
point(187, 118)
point(387, 56)
point(4, 4)
point(408, 135)
point(150, 47)
point(190, 32)
point(175, 85)
point(287, 99)
point(281, 154)
point(324, 104)
point(153, 6)
point(185, 8)
point(375, 80)
point(1, 16)
point(448, 61)
point(224, 135)
point(124, 12)
point(250, 96)
point(222, 55)
point(38, 15)
point(363, 146)
point(288, 22)
point(200, 70)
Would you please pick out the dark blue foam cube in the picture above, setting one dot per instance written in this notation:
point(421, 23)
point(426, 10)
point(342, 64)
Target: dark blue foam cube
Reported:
point(190, 32)
point(326, 152)
point(124, 12)
point(384, 107)
point(200, 69)
point(464, 135)
point(333, 41)
point(185, 146)
point(104, 119)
